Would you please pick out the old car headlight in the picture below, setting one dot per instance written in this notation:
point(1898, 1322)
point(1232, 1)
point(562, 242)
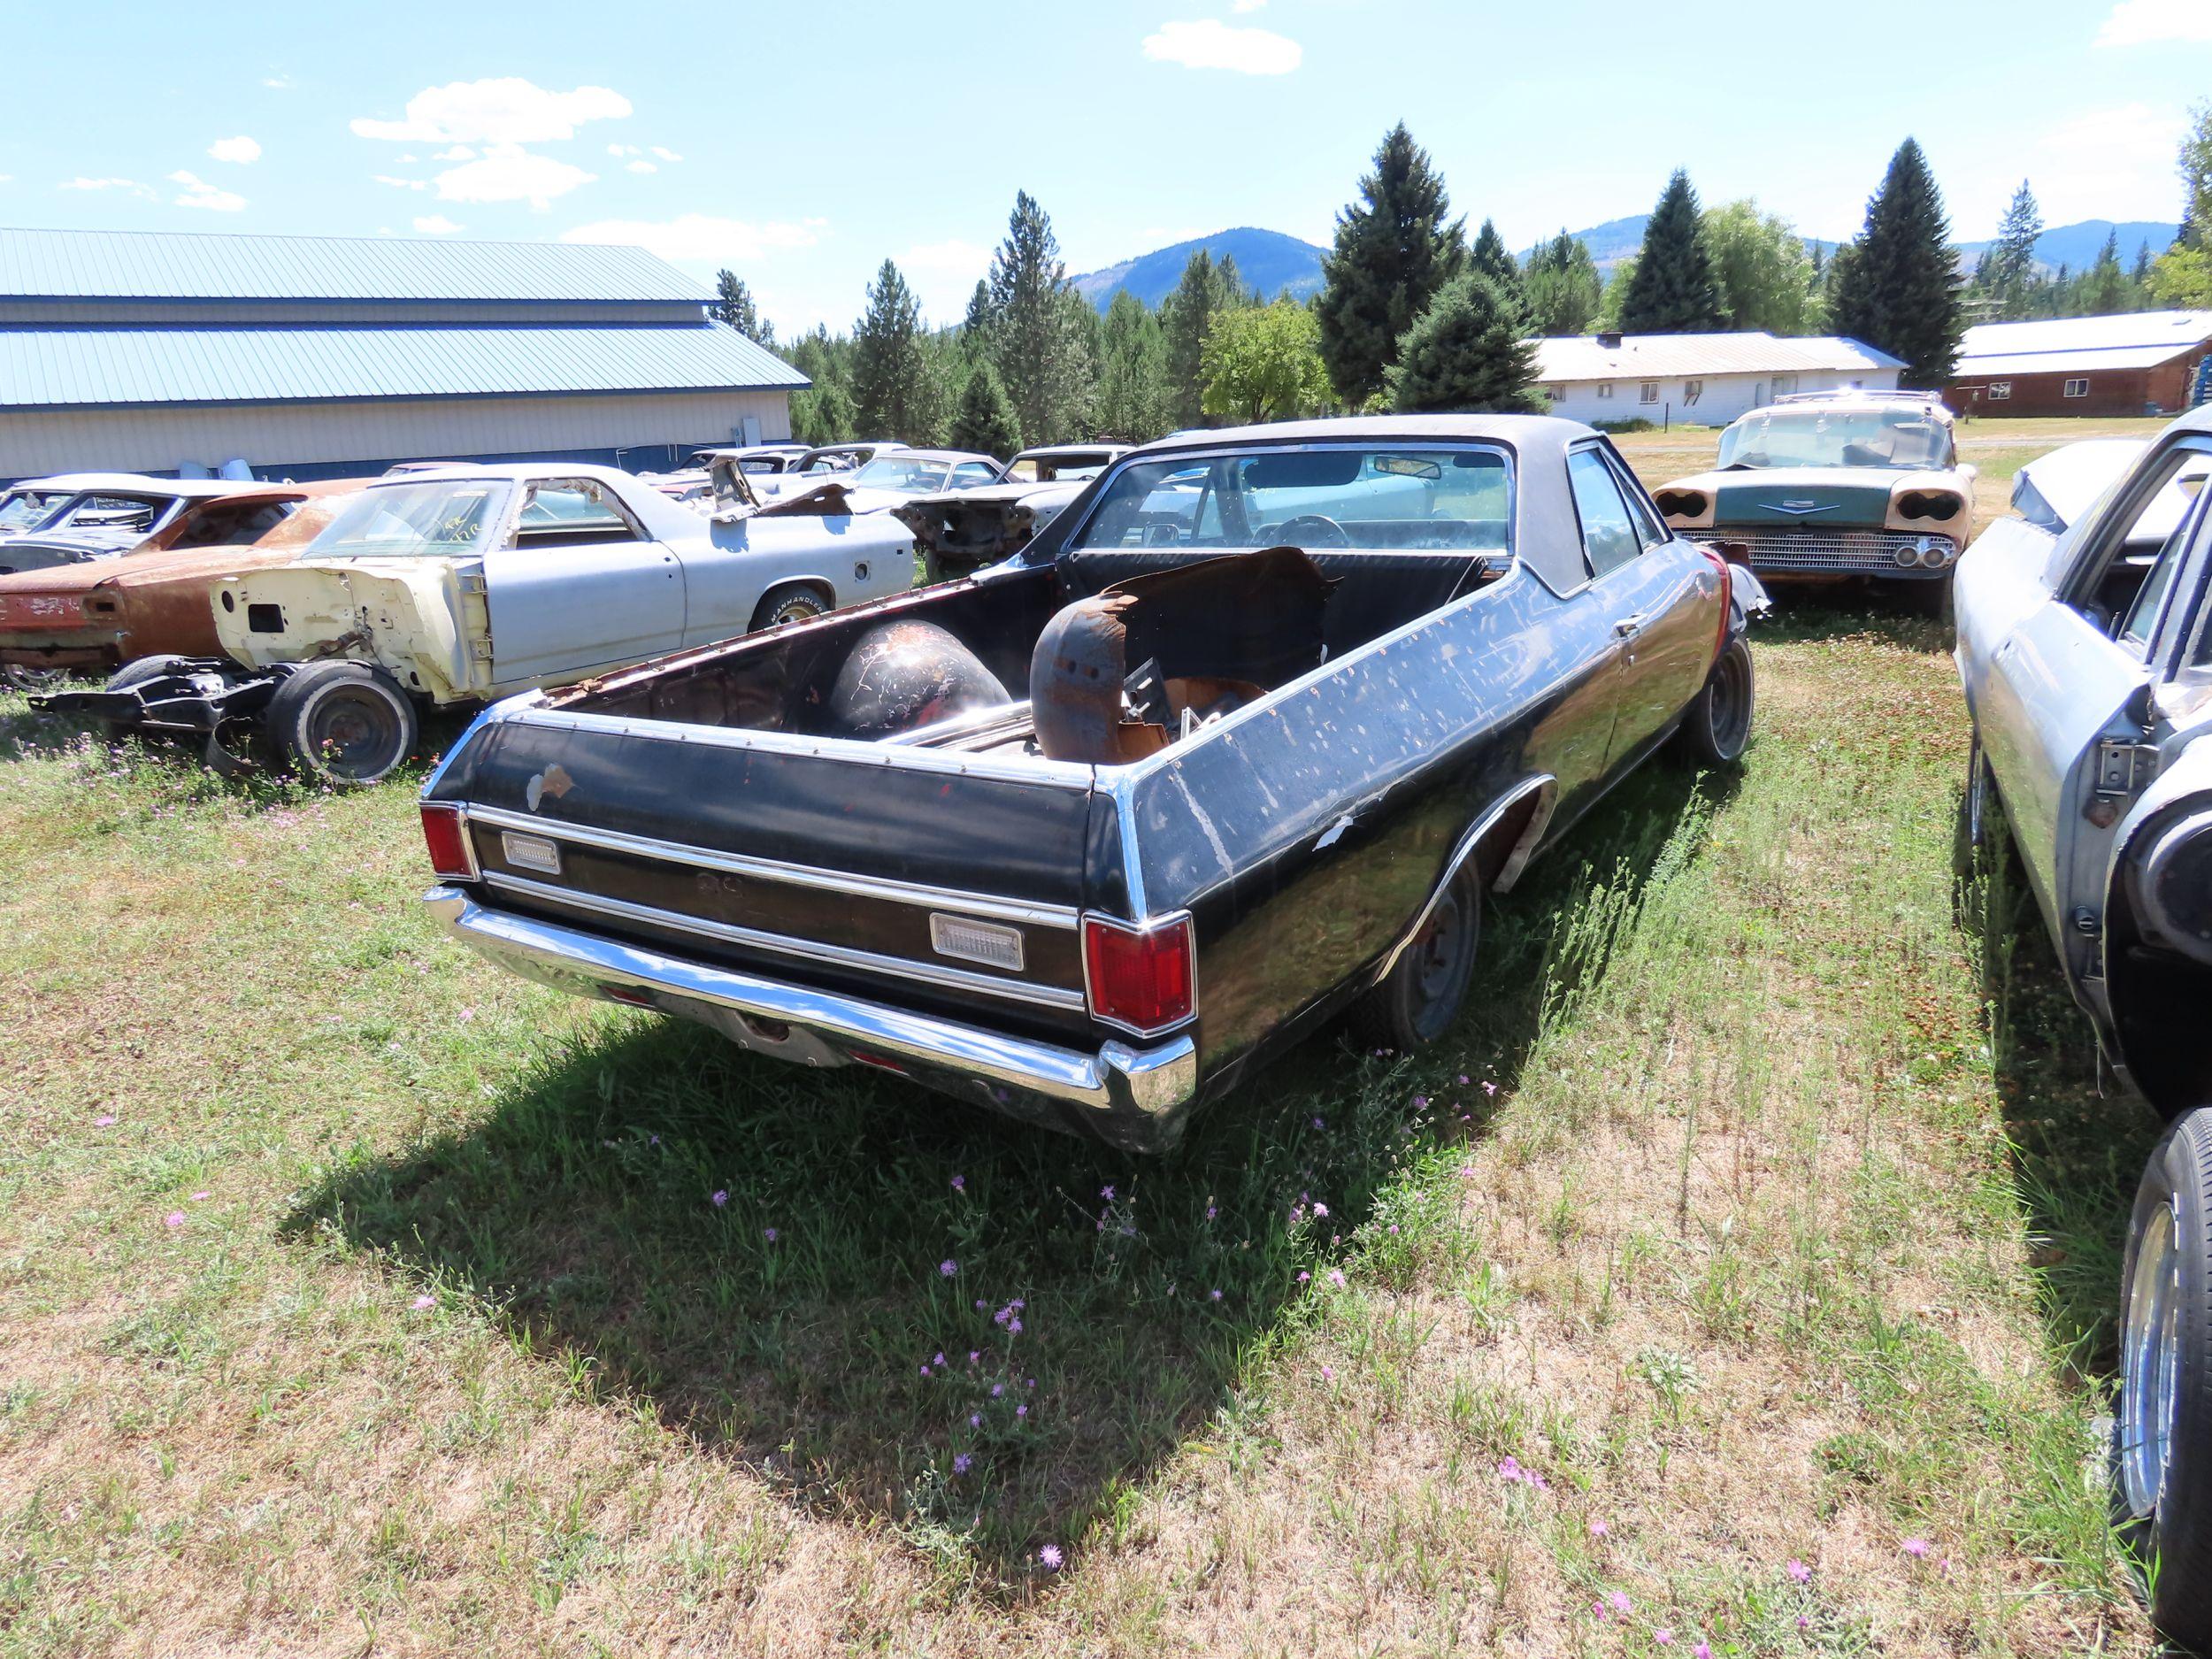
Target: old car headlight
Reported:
point(1907, 556)
point(2173, 886)
point(1929, 503)
point(1681, 503)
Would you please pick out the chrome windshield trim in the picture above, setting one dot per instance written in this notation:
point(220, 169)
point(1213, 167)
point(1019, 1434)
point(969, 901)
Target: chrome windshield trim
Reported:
point(782, 944)
point(1155, 1082)
point(1058, 774)
point(1054, 916)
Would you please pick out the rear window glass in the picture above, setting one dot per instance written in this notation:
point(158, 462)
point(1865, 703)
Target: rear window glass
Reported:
point(1413, 498)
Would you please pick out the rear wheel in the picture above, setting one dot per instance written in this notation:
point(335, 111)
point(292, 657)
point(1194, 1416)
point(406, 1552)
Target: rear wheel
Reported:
point(1716, 728)
point(144, 669)
point(781, 605)
point(2165, 1430)
point(1928, 598)
point(1417, 1001)
point(24, 677)
point(342, 723)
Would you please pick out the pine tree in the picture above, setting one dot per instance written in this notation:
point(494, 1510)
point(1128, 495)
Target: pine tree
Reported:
point(1491, 257)
point(1206, 291)
point(1673, 290)
point(2007, 272)
point(1395, 249)
point(1899, 289)
point(824, 412)
point(2182, 276)
point(896, 392)
point(1040, 330)
point(1563, 287)
point(1133, 385)
point(977, 323)
point(2104, 290)
point(1467, 353)
point(985, 421)
point(733, 304)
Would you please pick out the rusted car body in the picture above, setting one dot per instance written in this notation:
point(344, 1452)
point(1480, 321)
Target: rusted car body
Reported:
point(94, 618)
point(959, 532)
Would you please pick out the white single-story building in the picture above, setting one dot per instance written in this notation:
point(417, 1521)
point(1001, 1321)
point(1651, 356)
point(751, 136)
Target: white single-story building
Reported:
point(315, 357)
point(1699, 379)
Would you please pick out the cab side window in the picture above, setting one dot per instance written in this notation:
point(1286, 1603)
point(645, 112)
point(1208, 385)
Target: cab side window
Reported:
point(570, 512)
point(1608, 531)
point(2145, 523)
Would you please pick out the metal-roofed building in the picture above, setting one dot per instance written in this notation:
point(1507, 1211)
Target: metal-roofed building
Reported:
point(2140, 363)
point(309, 356)
point(1698, 380)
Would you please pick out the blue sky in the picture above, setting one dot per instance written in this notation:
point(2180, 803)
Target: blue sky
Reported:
point(801, 144)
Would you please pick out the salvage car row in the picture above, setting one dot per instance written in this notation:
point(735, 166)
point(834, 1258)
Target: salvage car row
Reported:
point(1231, 735)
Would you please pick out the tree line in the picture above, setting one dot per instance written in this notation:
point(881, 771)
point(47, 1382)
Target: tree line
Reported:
point(1413, 315)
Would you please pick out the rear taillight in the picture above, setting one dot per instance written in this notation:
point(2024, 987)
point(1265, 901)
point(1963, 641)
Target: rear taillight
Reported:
point(1727, 599)
point(1140, 979)
point(447, 836)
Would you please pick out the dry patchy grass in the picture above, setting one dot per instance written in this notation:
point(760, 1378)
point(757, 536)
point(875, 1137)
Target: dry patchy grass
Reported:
point(1713, 1221)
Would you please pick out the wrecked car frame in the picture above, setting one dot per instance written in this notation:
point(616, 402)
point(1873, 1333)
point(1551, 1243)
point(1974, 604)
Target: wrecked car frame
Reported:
point(1284, 703)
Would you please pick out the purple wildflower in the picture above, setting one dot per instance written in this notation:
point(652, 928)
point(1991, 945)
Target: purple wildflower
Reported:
point(940, 1360)
point(947, 1267)
point(1021, 1411)
point(1321, 1211)
point(1213, 1295)
point(1800, 1572)
point(962, 1462)
point(1420, 1102)
point(1664, 1637)
point(768, 1233)
point(174, 1218)
point(1509, 1469)
point(106, 1120)
point(975, 1419)
point(424, 1303)
point(1599, 1529)
point(1621, 1603)
point(1336, 1277)
point(959, 1183)
point(1917, 1547)
point(1050, 1555)
point(997, 1388)
point(719, 1197)
point(1703, 1650)
point(1107, 1193)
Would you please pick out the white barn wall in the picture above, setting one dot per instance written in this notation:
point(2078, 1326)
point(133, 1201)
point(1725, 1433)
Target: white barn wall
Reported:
point(161, 440)
point(1724, 398)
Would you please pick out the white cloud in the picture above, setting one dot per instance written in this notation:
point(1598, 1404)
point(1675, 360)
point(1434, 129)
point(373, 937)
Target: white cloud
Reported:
point(130, 187)
point(279, 82)
point(403, 184)
point(2146, 22)
point(437, 225)
point(508, 173)
point(1212, 44)
point(666, 155)
point(457, 152)
point(619, 150)
point(504, 110)
point(241, 149)
point(198, 192)
point(640, 166)
point(701, 237)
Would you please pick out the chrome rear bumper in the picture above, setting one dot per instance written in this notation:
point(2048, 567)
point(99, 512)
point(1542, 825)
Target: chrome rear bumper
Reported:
point(1136, 1099)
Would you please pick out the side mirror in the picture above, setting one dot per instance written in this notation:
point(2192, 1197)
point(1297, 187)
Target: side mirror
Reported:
point(1969, 470)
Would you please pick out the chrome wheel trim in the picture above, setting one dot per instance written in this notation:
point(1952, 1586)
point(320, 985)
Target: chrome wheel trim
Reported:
point(2150, 1363)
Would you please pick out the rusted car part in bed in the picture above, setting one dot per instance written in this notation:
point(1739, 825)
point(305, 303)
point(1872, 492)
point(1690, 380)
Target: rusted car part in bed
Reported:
point(2084, 647)
point(959, 532)
point(1299, 696)
point(95, 617)
point(469, 583)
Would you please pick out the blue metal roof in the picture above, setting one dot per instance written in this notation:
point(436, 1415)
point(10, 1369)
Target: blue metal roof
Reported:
point(43, 368)
point(89, 264)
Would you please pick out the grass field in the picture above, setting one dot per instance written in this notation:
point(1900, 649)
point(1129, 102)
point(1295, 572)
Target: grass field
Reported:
point(1741, 1270)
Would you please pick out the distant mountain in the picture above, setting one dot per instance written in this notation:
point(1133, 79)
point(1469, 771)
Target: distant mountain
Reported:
point(2078, 246)
point(1266, 260)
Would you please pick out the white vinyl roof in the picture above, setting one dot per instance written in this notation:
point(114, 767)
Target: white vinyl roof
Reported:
point(1664, 356)
point(2137, 340)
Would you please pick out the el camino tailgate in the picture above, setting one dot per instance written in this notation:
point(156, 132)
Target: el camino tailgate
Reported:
point(898, 873)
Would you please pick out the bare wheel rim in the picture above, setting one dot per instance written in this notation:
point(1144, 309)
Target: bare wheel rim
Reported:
point(1728, 710)
point(2151, 1363)
point(353, 733)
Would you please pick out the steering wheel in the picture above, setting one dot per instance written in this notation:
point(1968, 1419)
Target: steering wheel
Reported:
point(1320, 531)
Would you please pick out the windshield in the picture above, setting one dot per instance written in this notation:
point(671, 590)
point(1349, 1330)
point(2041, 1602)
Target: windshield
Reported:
point(30, 508)
point(1425, 499)
point(902, 471)
point(1896, 438)
point(432, 518)
point(1050, 469)
point(832, 461)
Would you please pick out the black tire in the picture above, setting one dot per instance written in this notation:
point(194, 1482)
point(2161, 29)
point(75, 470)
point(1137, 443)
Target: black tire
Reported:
point(345, 723)
point(23, 677)
point(1716, 728)
point(1415, 1002)
point(2166, 1374)
point(792, 604)
point(1928, 598)
point(144, 669)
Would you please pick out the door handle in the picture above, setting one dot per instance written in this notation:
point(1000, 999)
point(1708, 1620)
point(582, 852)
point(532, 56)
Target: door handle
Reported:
point(1628, 627)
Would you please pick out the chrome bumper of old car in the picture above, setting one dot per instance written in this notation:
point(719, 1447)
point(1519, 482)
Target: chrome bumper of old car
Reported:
point(1906, 554)
point(1133, 1098)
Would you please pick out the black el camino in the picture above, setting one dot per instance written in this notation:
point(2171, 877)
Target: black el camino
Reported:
point(1235, 747)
